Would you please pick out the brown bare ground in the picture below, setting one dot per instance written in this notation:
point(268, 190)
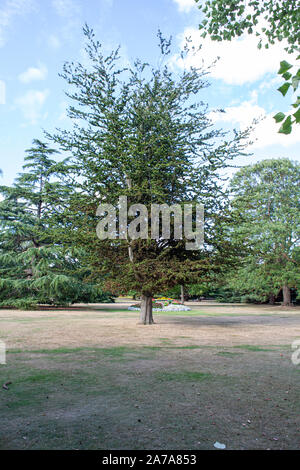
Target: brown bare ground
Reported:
point(90, 377)
point(217, 324)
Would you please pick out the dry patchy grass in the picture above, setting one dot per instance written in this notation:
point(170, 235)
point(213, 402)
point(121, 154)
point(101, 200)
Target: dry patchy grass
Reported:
point(91, 378)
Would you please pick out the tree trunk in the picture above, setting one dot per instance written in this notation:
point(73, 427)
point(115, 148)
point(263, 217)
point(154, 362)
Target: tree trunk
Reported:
point(286, 292)
point(182, 294)
point(146, 317)
point(271, 299)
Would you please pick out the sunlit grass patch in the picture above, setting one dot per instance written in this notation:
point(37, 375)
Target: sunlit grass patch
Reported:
point(228, 354)
point(183, 376)
point(189, 313)
point(250, 347)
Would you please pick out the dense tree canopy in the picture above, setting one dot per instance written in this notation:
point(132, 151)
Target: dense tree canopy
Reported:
point(266, 214)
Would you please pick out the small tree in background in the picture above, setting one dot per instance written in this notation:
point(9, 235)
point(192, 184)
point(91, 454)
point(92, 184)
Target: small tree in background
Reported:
point(143, 133)
point(35, 267)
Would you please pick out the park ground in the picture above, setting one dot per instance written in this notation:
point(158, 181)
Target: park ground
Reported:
point(90, 377)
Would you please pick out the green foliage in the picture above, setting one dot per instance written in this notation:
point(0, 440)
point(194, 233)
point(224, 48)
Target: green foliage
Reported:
point(266, 226)
point(174, 292)
point(226, 20)
point(291, 82)
point(143, 132)
point(35, 266)
point(273, 21)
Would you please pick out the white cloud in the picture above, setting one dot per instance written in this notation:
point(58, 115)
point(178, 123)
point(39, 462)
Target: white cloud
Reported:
point(243, 114)
point(240, 60)
point(185, 5)
point(31, 105)
point(9, 10)
point(34, 73)
point(265, 132)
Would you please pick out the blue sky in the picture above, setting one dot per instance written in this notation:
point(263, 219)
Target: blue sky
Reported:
point(36, 37)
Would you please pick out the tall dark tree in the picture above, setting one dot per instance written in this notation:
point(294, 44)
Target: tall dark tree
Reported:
point(35, 267)
point(144, 133)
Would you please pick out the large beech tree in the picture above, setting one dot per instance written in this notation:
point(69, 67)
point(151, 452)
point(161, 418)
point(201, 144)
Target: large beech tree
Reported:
point(143, 132)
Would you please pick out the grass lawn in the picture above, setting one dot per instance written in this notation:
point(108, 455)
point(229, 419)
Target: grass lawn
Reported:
point(91, 378)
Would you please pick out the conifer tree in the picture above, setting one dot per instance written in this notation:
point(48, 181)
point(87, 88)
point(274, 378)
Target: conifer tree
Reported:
point(35, 267)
